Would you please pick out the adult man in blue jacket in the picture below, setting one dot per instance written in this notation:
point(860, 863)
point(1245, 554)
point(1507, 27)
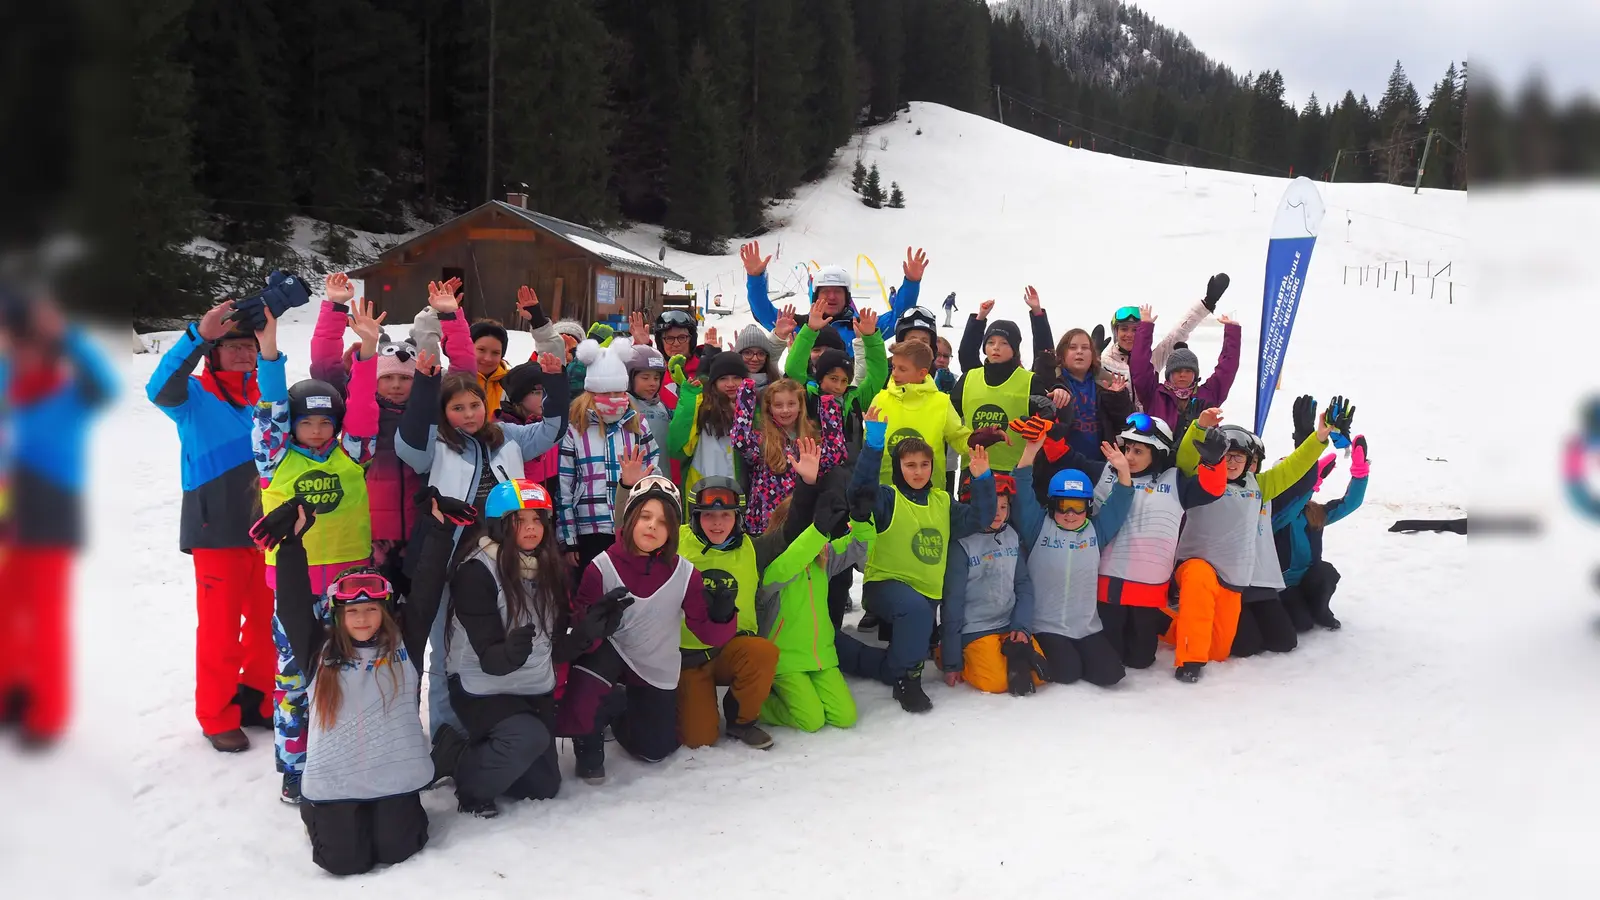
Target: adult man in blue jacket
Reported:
point(831, 288)
point(234, 666)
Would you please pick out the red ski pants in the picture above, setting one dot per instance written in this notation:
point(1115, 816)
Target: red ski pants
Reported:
point(35, 646)
point(230, 586)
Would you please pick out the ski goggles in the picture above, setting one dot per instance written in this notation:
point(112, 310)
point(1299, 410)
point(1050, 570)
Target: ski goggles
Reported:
point(717, 498)
point(361, 587)
point(1069, 505)
point(674, 318)
point(1004, 486)
point(1126, 314)
point(1142, 423)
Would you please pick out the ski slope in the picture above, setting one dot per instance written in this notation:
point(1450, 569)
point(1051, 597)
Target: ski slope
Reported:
point(1401, 757)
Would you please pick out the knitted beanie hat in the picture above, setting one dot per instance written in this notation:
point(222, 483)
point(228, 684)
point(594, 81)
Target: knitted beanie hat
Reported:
point(490, 328)
point(828, 361)
point(753, 336)
point(607, 367)
point(726, 363)
point(521, 381)
point(828, 339)
point(1182, 358)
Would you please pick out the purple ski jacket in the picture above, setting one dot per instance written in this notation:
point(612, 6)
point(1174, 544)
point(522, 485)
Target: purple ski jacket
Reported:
point(1157, 398)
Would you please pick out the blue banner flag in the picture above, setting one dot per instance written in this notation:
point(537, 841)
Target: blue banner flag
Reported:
point(1294, 233)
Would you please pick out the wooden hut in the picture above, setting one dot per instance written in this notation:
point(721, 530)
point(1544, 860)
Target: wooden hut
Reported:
point(578, 272)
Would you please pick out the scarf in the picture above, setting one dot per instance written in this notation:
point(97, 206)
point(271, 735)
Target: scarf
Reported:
point(237, 389)
point(1182, 393)
point(36, 383)
point(491, 549)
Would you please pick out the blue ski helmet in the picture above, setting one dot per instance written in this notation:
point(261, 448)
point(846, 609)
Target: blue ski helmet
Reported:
point(1071, 483)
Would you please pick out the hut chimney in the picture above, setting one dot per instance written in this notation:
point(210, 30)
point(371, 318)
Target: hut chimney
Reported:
point(517, 195)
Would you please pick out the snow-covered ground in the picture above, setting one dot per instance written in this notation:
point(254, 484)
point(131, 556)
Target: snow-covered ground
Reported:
point(1438, 746)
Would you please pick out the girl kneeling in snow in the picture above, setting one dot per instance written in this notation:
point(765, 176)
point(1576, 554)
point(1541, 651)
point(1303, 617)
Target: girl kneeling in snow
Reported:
point(1062, 546)
point(367, 756)
point(508, 631)
point(656, 590)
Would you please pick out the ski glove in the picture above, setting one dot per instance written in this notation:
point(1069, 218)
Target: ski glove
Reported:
point(1101, 341)
point(1215, 288)
point(987, 436)
point(1325, 467)
point(675, 368)
point(1305, 418)
point(456, 512)
point(863, 503)
point(284, 291)
point(1341, 413)
point(519, 644)
point(1032, 429)
point(721, 597)
point(1212, 447)
point(616, 601)
point(1022, 661)
point(277, 526)
point(1360, 466)
point(829, 516)
point(427, 333)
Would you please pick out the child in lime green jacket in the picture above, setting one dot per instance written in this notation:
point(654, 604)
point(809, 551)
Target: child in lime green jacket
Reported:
point(829, 370)
point(808, 690)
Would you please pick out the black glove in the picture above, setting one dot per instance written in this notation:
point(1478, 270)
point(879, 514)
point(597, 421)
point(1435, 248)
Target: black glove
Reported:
point(829, 516)
point(1212, 447)
point(1101, 341)
point(277, 526)
point(616, 602)
point(1341, 413)
point(721, 605)
point(519, 643)
point(1305, 418)
point(863, 503)
point(1215, 288)
point(1021, 664)
point(456, 512)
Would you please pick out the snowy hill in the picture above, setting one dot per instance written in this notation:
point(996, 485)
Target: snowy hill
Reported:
point(1351, 768)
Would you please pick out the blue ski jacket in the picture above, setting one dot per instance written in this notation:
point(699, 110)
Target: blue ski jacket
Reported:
point(1299, 545)
point(767, 314)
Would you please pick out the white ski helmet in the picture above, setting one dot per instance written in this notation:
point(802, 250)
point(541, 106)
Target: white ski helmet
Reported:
point(831, 276)
point(1144, 428)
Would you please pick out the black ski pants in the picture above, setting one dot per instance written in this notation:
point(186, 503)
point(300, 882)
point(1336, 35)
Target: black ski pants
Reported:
point(1134, 632)
point(1264, 625)
point(1091, 658)
point(352, 836)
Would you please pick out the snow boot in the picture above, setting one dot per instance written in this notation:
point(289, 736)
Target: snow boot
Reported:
point(448, 745)
point(229, 741)
point(590, 751)
point(291, 788)
point(751, 734)
point(908, 692)
point(1189, 672)
point(482, 809)
point(249, 701)
point(1326, 619)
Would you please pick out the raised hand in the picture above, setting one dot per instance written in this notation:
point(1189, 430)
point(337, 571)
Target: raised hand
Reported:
point(809, 463)
point(1033, 429)
point(1322, 428)
point(1061, 398)
point(1116, 459)
point(915, 264)
point(817, 320)
point(633, 466)
point(1212, 447)
point(1147, 313)
point(784, 328)
point(1225, 321)
point(872, 415)
point(984, 309)
point(549, 364)
point(754, 262)
point(1215, 288)
point(527, 298)
point(338, 287)
point(442, 296)
point(1210, 418)
point(979, 460)
point(1031, 297)
point(267, 334)
point(1305, 418)
point(640, 330)
point(1118, 384)
point(427, 363)
point(866, 321)
point(1100, 338)
point(366, 327)
point(711, 337)
point(214, 324)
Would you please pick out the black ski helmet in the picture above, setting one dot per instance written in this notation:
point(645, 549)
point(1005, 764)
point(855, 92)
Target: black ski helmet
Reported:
point(1242, 439)
point(917, 318)
point(315, 398)
point(675, 318)
point(715, 492)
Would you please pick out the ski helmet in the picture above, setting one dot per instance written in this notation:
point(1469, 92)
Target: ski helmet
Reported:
point(509, 496)
point(364, 584)
point(1071, 483)
point(675, 318)
point(718, 492)
point(315, 398)
point(657, 486)
point(1243, 440)
point(1144, 428)
point(918, 318)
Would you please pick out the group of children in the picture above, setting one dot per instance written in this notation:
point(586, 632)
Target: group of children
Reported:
point(598, 538)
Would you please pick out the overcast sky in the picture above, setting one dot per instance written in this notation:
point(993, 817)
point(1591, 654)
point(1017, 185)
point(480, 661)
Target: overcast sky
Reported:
point(1329, 46)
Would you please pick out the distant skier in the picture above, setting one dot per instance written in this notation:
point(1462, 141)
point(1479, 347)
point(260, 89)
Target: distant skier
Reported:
point(949, 309)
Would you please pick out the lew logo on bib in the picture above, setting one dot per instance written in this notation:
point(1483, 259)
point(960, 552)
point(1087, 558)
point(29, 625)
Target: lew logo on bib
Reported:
point(927, 546)
point(320, 491)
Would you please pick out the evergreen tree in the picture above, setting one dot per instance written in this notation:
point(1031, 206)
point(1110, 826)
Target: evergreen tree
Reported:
point(1269, 135)
point(897, 197)
point(830, 107)
point(880, 41)
point(701, 206)
point(160, 214)
point(858, 177)
point(1443, 109)
point(333, 242)
point(643, 99)
point(232, 51)
point(1398, 114)
point(872, 194)
point(1312, 157)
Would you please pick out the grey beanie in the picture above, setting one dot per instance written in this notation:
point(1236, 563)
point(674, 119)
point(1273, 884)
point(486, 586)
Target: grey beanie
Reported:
point(1182, 358)
point(753, 336)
